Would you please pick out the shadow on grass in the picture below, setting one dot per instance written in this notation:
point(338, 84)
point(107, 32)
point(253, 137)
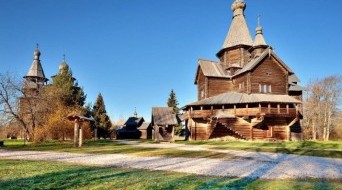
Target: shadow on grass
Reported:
point(67, 179)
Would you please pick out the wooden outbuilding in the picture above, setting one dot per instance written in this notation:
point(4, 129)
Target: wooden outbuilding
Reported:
point(130, 129)
point(164, 120)
point(146, 130)
point(249, 93)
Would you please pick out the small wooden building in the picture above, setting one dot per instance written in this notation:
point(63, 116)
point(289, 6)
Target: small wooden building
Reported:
point(130, 129)
point(164, 120)
point(249, 93)
point(146, 130)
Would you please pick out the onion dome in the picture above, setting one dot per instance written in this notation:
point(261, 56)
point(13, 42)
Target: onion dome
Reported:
point(36, 70)
point(238, 33)
point(238, 7)
point(259, 37)
point(63, 66)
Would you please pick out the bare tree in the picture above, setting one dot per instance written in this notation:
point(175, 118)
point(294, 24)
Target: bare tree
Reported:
point(321, 106)
point(11, 109)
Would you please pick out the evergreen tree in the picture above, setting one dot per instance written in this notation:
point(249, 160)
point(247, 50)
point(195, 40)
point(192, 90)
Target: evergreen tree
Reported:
point(173, 102)
point(66, 88)
point(102, 121)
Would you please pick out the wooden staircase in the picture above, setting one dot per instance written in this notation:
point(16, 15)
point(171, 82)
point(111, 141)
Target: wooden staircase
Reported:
point(237, 127)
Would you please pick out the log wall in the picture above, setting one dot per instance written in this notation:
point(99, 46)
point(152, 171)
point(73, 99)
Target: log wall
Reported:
point(238, 56)
point(270, 72)
point(201, 85)
point(218, 86)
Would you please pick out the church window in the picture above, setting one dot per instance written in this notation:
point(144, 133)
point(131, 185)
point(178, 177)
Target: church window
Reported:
point(242, 86)
point(264, 88)
point(202, 93)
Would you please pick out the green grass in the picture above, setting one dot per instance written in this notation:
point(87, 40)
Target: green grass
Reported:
point(15, 174)
point(111, 147)
point(309, 148)
point(331, 149)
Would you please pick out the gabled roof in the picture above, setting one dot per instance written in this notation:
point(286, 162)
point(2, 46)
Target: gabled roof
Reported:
point(294, 87)
point(145, 126)
point(257, 60)
point(293, 79)
point(243, 98)
point(134, 121)
point(164, 116)
point(211, 69)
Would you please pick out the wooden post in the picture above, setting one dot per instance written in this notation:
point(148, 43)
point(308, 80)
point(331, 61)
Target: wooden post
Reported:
point(251, 132)
point(80, 142)
point(269, 108)
point(212, 109)
point(156, 132)
point(195, 131)
point(234, 109)
point(76, 133)
point(278, 106)
point(259, 108)
point(287, 109)
point(247, 109)
point(173, 133)
point(95, 133)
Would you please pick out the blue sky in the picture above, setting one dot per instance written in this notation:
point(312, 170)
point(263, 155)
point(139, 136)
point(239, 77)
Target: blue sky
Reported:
point(135, 51)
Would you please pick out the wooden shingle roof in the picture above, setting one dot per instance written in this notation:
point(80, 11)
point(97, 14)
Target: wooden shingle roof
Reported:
point(238, 33)
point(255, 61)
point(243, 98)
point(36, 69)
point(211, 69)
point(145, 126)
point(164, 116)
point(134, 121)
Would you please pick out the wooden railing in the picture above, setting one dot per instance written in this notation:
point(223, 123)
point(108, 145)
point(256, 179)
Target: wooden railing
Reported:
point(284, 112)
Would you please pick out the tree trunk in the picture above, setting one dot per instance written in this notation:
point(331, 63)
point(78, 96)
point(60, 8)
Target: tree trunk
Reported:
point(314, 132)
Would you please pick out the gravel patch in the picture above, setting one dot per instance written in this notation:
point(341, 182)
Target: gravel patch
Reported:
point(248, 164)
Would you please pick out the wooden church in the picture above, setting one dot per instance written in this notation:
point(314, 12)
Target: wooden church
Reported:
point(249, 93)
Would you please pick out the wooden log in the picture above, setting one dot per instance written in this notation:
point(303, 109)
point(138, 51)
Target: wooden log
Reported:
point(80, 137)
point(76, 126)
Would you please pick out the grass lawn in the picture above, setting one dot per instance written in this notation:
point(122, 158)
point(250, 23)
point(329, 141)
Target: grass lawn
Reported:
point(309, 148)
point(15, 174)
point(331, 149)
point(111, 147)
